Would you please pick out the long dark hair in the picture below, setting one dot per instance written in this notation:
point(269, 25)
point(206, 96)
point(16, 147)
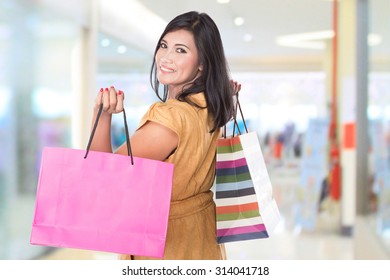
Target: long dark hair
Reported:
point(214, 80)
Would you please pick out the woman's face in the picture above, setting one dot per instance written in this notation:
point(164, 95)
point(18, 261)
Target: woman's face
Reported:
point(177, 60)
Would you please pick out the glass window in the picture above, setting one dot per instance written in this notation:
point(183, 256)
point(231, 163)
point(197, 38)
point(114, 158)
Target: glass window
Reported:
point(379, 115)
point(36, 47)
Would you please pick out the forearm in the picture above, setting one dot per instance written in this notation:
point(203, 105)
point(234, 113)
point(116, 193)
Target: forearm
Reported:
point(102, 138)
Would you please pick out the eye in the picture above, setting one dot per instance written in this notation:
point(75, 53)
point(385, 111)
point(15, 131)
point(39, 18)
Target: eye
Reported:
point(163, 45)
point(181, 50)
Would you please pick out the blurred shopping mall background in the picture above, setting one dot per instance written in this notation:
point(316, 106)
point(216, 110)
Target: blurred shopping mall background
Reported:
point(299, 62)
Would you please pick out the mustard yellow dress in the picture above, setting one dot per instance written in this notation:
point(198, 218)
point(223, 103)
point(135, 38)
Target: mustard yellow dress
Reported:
point(191, 226)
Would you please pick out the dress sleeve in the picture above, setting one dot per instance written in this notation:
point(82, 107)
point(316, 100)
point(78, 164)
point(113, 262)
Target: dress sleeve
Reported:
point(169, 114)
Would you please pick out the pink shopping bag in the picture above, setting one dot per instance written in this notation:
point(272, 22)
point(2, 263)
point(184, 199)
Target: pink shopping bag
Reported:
point(102, 202)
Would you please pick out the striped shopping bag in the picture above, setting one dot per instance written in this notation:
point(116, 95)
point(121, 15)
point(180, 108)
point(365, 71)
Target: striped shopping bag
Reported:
point(245, 208)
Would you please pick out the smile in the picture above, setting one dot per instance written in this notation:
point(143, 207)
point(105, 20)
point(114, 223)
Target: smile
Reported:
point(168, 70)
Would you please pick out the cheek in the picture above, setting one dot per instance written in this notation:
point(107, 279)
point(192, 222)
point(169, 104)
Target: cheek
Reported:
point(195, 67)
point(158, 55)
point(190, 65)
point(156, 58)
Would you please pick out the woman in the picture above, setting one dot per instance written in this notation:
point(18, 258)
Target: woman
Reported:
point(182, 129)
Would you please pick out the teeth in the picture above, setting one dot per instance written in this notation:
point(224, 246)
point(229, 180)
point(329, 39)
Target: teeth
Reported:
point(166, 69)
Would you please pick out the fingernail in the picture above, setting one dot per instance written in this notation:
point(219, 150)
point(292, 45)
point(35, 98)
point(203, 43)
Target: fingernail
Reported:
point(101, 90)
point(112, 86)
point(120, 92)
point(106, 89)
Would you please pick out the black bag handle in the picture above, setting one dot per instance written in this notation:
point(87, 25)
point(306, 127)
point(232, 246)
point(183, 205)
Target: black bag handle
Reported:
point(242, 117)
point(235, 124)
point(129, 152)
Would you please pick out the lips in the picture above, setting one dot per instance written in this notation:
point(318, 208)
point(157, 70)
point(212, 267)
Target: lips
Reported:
point(166, 69)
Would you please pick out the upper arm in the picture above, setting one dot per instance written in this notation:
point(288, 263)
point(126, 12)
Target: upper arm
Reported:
point(153, 141)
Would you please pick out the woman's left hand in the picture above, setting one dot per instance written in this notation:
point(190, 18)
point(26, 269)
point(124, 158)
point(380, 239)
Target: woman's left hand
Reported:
point(236, 87)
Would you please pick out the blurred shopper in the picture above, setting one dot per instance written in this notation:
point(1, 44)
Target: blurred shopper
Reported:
point(298, 145)
point(190, 76)
point(278, 149)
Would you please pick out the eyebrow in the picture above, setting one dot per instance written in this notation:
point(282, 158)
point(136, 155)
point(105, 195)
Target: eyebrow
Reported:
point(178, 45)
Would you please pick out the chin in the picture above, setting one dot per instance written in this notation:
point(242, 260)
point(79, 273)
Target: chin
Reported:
point(163, 80)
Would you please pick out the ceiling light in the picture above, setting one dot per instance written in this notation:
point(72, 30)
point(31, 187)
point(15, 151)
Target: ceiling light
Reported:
point(315, 40)
point(223, 1)
point(309, 40)
point(239, 21)
point(374, 39)
point(248, 38)
point(121, 49)
point(5, 101)
point(105, 42)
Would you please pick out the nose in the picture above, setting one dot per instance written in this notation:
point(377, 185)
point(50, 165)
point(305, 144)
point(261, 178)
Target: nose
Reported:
point(166, 56)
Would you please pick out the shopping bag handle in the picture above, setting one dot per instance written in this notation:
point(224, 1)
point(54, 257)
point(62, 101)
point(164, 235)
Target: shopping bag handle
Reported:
point(235, 123)
point(238, 105)
point(129, 152)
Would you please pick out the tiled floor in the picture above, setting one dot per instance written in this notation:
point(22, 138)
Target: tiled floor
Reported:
point(289, 242)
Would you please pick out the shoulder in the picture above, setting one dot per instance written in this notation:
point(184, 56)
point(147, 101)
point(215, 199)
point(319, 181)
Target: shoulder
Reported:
point(175, 114)
point(179, 108)
point(168, 110)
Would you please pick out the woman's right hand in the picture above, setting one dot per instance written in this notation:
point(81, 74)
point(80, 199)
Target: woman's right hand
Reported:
point(112, 100)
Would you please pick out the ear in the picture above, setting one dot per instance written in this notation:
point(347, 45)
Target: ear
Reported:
point(200, 68)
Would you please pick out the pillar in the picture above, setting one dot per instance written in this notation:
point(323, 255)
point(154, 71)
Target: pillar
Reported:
point(352, 89)
point(84, 71)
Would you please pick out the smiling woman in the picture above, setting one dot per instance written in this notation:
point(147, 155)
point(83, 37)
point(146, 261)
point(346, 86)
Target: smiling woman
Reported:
point(189, 63)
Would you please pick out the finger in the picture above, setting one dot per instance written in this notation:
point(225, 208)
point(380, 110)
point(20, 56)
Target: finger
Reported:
point(99, 97)
point(120, 103)
point(232, 86)
point(113, 99)
point(106, 100)
point(235, 87)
